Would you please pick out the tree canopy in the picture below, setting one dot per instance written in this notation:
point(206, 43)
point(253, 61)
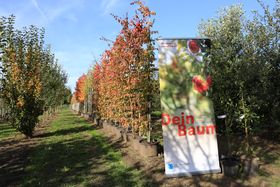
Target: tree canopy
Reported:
point(31, 82)
point(245, 67)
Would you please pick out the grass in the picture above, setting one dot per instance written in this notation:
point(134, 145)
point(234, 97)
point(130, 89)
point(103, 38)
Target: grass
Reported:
point(6, 131)
point(271, 176)
point(73, 153)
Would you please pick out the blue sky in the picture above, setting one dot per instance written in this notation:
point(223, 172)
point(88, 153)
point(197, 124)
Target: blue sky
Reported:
point(74, 27)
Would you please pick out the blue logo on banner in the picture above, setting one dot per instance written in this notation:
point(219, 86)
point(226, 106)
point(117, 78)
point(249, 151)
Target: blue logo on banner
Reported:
point(170, 166)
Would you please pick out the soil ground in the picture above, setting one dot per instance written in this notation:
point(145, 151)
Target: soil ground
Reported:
point(153, 170)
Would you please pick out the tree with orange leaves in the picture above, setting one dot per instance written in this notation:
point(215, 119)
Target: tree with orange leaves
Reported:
point(123, 80)
point(79, 90)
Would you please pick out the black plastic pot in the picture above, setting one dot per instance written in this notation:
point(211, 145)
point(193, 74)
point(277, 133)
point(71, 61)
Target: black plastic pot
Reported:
point(230, 166)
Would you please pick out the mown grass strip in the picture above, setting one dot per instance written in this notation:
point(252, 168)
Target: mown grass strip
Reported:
point(6, 131)
point(73, 153)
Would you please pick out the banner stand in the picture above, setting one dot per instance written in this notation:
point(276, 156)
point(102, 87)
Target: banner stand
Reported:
point(188, 122)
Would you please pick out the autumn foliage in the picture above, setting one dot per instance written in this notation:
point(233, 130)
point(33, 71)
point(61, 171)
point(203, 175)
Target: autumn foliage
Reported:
point(126, 72)
point(122, 79)
point(79, 90)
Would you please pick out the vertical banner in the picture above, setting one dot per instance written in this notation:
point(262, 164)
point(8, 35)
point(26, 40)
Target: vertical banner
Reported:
point(188, 123)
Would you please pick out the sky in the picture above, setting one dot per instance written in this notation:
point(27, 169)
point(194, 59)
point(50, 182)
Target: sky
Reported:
point(74, 27)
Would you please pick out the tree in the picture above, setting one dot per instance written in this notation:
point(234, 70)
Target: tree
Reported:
point(227, 39)
point(21, 86)
point(245, 67)
point(54, 91)
point(262, 49)
point(79, 90)
point(31, 82)
point(126, 72)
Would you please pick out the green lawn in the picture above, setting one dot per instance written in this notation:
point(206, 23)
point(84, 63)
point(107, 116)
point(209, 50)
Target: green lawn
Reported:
point(6, 131)
point(73, 153)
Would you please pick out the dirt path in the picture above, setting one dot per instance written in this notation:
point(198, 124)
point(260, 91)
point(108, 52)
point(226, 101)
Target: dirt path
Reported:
point(153, 169)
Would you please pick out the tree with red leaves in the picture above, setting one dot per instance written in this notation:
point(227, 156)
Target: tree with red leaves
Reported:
point(122, 81)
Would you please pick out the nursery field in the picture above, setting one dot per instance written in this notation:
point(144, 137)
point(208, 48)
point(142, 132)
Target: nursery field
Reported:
point(147, 106)
point(70, 151)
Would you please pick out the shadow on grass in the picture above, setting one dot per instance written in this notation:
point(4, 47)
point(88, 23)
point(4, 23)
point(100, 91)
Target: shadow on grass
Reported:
point(13, 156)
point(77, 161)
point(72, 153)
point(83, 157)
point(66, 131)
point(6, 130)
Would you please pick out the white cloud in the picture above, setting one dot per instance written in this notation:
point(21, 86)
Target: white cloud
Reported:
point(40, 12)
point(35, 4)
point(109, 5)
point(57, 9)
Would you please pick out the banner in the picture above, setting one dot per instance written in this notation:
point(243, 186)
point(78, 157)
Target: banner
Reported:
point(188, 123)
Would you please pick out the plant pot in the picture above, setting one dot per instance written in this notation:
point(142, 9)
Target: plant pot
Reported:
point(117, 132)
point(86, 116)
point(106, 126)
point(249, 165)
point(136, 143)
point(144, 148)
point(148, 149)
point(130, 139)
point(230, 166)
point(96, 121)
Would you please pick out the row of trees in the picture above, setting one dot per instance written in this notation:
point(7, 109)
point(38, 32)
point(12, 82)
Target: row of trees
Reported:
point(245, 66)
point(32, 82)
point(122, 84)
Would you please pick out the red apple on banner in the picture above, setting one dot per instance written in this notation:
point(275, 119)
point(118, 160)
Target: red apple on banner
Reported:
point(193, 46)
point(201, 85)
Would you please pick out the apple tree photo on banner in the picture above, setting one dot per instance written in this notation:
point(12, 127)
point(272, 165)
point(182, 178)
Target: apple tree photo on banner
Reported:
point(188, 123)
